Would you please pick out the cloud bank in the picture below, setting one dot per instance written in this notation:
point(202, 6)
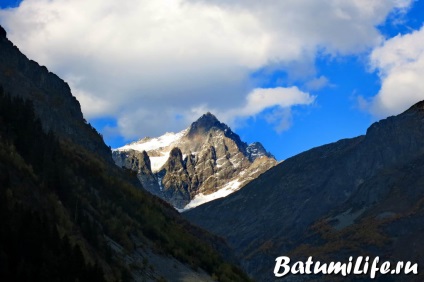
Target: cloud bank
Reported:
point(154, 64)
point(400, 63)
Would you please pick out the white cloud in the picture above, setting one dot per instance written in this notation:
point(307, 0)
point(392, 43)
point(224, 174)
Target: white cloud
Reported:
point(317, 83)
point(281, 118)
point(153, 60)
point(262, 98)
point(400, 63)
point(277, 100)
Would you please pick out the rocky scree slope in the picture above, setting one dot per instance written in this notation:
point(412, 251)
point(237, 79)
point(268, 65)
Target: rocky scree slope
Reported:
point(201, 163)
point(356, 196)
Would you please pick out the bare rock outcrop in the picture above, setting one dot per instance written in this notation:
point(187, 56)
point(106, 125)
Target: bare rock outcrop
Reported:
point(193, 166)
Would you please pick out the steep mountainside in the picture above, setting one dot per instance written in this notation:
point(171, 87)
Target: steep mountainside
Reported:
point(54, 104)
point(201, 163)
point(68, 213)
point(357, 196)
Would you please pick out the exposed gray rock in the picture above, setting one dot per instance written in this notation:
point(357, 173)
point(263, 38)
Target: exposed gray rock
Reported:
point(257, 150)
point(139, 162)
point(207, 157)
point(176, 181)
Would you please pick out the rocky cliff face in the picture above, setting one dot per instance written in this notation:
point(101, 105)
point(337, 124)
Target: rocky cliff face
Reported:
point(203, 162)
point(139, 162)
point(355, 196)
point(53, 101)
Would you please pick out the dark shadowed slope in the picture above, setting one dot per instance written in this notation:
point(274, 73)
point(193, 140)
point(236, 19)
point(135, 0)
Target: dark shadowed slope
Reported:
point(67, 212)
point(53, 101)
point(313, 203)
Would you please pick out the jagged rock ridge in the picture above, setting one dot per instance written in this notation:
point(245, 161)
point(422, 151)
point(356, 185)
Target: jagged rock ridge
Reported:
point(203, 162)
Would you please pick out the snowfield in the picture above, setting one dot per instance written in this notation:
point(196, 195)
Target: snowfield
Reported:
point(162, 145)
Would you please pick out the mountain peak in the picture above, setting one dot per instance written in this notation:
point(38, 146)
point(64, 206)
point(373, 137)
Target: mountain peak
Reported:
point(205, 123)
point(257, 150)
point(209, 117)
point(201, 163)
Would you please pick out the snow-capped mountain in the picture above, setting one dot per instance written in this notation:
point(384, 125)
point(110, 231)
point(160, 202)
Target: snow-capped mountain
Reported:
point(158, 148)
point(201, 163)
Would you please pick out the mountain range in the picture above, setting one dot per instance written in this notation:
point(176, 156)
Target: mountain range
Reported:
point(199, 164)
point(353, 197)
point(67, 212)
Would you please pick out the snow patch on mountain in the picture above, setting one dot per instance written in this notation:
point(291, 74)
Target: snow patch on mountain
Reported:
point(161, 145)
point(150, 144)
point(157, 163)
point(209, 162)
point(201, 198)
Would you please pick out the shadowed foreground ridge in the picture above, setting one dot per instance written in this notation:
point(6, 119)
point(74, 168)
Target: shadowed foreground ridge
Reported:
point(67, 212)
point(356, 196)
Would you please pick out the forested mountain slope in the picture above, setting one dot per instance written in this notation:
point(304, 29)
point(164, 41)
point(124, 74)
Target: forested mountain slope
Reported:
point(67, 212)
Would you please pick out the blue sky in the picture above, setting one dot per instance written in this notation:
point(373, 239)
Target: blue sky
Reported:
point(290, 74)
